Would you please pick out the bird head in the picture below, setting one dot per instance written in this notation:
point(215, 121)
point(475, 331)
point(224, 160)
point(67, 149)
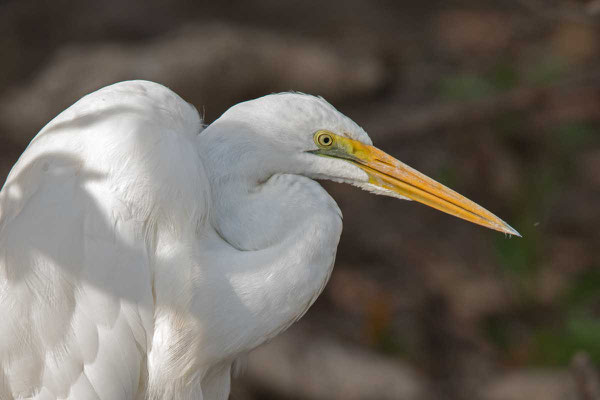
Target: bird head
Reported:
point(306, 135)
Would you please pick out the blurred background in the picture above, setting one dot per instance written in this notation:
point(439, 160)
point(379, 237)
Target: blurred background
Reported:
point(498, 99)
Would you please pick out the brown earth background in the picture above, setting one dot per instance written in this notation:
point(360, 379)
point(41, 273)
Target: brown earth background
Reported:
point(498, 99)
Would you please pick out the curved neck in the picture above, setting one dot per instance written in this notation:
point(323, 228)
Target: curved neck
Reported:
point(276, 244)
point(253, 207)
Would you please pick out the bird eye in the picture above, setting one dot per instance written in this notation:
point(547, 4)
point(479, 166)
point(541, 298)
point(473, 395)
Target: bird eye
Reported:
point(323, 139)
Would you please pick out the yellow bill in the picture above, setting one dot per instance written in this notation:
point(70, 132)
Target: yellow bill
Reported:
point(388, 173)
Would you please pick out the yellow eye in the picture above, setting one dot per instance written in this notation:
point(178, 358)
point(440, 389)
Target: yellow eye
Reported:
point(323, 139)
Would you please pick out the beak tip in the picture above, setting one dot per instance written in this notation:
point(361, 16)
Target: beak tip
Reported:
point(510, 230)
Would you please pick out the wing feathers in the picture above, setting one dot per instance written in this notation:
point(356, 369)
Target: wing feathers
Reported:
point(78, 214)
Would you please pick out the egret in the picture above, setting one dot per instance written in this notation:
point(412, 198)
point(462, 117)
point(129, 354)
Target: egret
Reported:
point(142, 253)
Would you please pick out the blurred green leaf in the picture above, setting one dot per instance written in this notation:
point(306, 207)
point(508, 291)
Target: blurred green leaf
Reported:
point(465, 87)
point(584, 290)
point(504, 77)
point(518, 256)
point(448, 176)
point(391, 343)
point(572, 136)
point(496, 328)
point(556, 346)
point(579, 329)
point(546, 71)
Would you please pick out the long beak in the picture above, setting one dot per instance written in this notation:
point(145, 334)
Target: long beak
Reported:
point(388, 173)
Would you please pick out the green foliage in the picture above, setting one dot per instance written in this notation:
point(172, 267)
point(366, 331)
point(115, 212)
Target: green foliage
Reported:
point(504, 76)
point(496, 328)
point(546, 335)
point(572, 136)
point(552, 342)
point(519, 257)
point(465, 87)
point(546, 71)
point(585, 290)
point(390, 343)
point(447, 175)
point(557, 345)
point(470, 86)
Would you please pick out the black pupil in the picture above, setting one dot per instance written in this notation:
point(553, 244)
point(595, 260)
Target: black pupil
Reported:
point(326, 140)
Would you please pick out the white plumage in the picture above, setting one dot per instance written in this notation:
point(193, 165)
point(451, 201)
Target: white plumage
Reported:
point(141, 255)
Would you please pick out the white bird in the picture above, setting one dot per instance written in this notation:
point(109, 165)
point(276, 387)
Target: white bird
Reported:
point(142, 254)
